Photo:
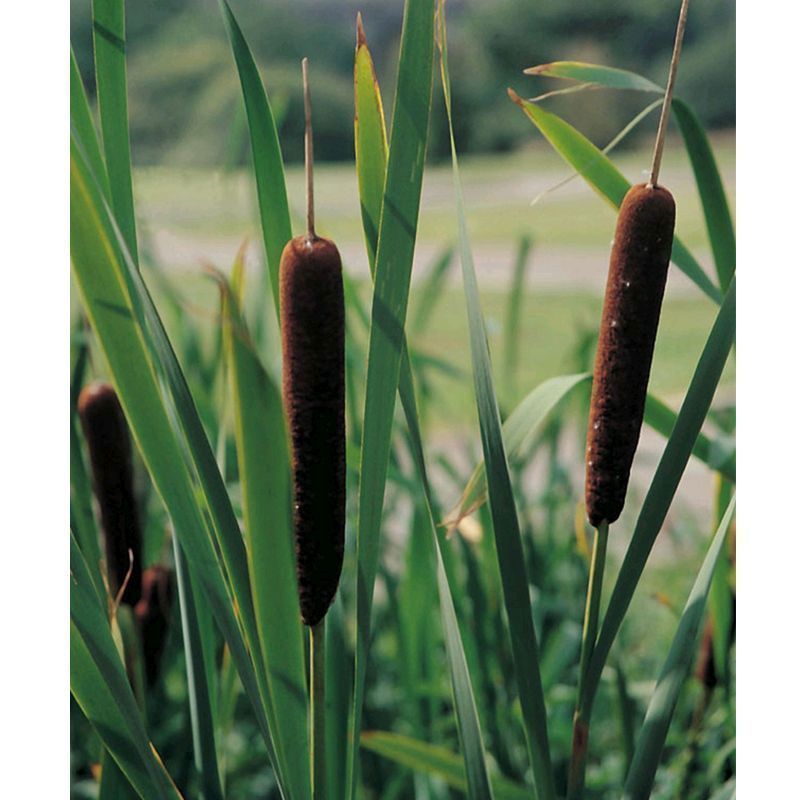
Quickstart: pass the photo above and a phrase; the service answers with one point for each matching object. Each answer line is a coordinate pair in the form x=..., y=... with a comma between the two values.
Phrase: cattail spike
x=635, y=288
x=109, y=445
x=153, y=614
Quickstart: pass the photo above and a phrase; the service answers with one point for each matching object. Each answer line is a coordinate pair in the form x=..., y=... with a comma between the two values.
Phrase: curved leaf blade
x=677, y=666
x=510, y=556
x=601, y=174
x=597, y=74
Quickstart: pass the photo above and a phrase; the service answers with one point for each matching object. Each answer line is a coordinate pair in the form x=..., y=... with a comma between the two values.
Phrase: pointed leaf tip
x=361, y=37
x=514, y=97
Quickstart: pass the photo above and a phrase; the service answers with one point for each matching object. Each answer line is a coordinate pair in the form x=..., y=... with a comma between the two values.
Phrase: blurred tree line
x=186, y=108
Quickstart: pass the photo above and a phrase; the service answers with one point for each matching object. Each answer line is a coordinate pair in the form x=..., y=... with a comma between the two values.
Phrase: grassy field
x=193, y=218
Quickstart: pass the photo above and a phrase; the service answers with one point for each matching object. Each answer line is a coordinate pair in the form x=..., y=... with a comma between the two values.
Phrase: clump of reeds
x=108, y=441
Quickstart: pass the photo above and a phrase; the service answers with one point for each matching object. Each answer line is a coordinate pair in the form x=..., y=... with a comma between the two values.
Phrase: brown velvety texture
x=109, y=444
x=312, y=327
x=635, y=288
x=153, y=613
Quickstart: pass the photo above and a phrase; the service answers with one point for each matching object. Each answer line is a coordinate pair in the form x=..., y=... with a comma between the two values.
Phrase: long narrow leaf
x=596, y=74
x=273, y=205
x=719, y=223
x=198, y=688
x=434, y=760
x=510, y=555
x=665, y=481
x=108, y=25
x=266, y=496
x=682, y=652
x=394, y=255
x=83, y=126
x=370, y=140
x=601, y=174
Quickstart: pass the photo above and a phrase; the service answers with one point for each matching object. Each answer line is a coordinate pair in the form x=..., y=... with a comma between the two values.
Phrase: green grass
x=498, y=190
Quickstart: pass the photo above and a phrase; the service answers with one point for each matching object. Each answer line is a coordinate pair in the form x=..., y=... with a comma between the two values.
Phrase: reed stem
x=580, y=724
x=319, y=781
x=309, y=156
x=673, y=71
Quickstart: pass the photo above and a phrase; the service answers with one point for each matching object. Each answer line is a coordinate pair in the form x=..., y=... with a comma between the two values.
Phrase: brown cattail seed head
x=636, y=279
x=153, y=614
x=312, y=327
x=109, y=445
x=705, y=669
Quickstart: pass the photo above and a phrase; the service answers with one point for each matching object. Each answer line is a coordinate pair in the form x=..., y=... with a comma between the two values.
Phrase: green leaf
x=429, y=291
x=434, y=760
x=719, y=223
x=719, y=455
x=263, y=457
x=519, y=428
x=665, y=481
x=596, y=74
x=516, y=293
x=198, y=683
x=394, y=256
x=101, y=688
x=276, y=225
x=370, y=143
x=601, y=174
x=164, y=423
x=83, y=125
x=682, y=652
x=510, y=555
x=108, y=25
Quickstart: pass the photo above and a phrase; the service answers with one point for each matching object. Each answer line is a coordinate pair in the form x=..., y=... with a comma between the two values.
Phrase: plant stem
x=673, y=71
x=318, y=776
x=580, y=724
x=309, y=155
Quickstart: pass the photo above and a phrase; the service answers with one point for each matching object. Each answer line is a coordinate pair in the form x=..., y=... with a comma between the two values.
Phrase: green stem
x=318, y=776
x=580, y=724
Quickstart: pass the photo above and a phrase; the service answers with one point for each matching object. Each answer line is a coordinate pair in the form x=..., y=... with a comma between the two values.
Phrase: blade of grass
x=165, y=424
x=719, y=223
x=511, y=559
x=430, y=291
x=394, y=255
x=596, y=74
x=266, y=496
x=433, y=760
x=82, y=124
x=653, y=734
x=665, y=482
x=519, y=428
x=101, y=688
x=601, y=174
x=108, y=26
x=273, y=205
x=200, y=706
x=516, y=293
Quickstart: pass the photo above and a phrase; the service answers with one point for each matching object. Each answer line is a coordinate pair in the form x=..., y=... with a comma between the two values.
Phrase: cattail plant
x=153, y=614
x=637, y=277
x=312, y=328
x=109, y=445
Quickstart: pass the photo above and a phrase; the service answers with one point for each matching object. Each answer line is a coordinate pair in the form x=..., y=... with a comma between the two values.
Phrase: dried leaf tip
x=538, y=70
x=361, y=37
x=514, y=97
